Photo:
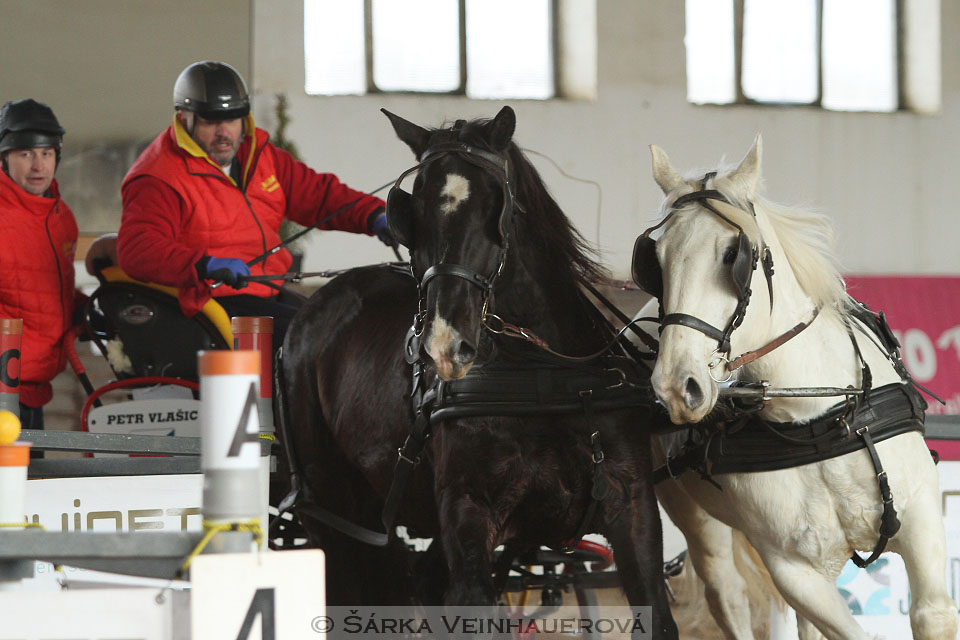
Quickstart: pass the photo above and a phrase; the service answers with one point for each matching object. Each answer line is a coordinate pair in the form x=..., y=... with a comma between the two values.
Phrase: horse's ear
x=501, y=129
x=663, y=172
x=414, y=135
x=748, y=173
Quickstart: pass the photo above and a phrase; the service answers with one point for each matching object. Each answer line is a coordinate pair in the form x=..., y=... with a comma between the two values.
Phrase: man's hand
x=226, y=270
x=380, y=229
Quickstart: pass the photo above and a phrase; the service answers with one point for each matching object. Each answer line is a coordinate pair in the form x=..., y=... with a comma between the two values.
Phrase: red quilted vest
x=225, y=221
x=37, y=249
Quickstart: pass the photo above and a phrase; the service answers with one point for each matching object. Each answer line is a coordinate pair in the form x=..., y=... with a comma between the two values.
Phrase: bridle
x=498, y=166
x=647, y=274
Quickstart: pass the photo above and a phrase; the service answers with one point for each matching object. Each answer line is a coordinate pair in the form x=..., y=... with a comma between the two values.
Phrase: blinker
x=400, y=215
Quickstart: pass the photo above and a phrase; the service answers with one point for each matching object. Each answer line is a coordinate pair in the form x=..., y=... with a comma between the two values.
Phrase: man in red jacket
x=207, y=197
x=36, y=249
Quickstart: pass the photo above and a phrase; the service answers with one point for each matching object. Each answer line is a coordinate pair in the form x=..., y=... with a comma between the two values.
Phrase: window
x=479, y=48
x=842, y=55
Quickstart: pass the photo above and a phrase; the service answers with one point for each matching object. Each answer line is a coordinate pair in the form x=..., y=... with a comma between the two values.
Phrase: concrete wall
x=107, y=67
x=884, y=178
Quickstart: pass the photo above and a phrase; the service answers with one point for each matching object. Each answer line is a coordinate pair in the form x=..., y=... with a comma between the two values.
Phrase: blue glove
x=380, y=229
x=227, y=270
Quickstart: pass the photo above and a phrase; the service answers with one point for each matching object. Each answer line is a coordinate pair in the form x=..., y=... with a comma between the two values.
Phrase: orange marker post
x=256, y=333
x=11, y=332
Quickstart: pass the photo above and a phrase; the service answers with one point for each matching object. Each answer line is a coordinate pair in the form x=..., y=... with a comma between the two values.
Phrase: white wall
x=886, y=179
x=107, y=67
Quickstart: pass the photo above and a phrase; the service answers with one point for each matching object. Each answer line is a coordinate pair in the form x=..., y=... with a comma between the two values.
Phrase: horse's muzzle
x=451, y=353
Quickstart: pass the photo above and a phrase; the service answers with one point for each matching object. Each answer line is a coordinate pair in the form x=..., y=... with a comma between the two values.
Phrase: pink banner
x=924, y=313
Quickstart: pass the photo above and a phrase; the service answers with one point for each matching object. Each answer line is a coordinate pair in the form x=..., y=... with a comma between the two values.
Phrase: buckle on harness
x=623, y=377
x=406, y=459
x=597, y=451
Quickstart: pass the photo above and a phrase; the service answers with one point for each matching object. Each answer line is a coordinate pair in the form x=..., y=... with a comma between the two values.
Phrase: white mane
x=807, y=239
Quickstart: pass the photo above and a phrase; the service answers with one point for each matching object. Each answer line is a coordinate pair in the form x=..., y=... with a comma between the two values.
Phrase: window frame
x=461, y=90
x=742, y=99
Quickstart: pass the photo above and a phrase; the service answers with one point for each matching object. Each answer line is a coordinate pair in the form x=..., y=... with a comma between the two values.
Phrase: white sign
x=131, y=614
x=257, y=596
x=160, y=417
x=117, y=503
x=230, y=422
x=125, y=503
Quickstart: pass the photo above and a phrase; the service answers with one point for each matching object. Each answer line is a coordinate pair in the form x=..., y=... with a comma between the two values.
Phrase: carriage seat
x=145, y=333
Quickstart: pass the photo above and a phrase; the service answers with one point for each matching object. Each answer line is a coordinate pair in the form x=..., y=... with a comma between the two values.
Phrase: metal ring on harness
x=400, y=455
x=716, y=359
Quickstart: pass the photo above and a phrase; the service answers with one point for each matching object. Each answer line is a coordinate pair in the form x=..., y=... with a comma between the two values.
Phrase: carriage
x=486, y=457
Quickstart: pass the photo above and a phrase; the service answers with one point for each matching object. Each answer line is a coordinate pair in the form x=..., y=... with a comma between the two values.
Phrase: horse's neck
x=550, y=307
x=822, y=355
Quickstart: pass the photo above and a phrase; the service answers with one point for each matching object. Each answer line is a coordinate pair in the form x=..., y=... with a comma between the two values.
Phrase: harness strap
x=601, y=482
x=750, y=356
x=408, y=457
x=686, y=320
x=344, y=526
x=650, y=342
x=458, y=271
x=889, y=523
x=298, y=498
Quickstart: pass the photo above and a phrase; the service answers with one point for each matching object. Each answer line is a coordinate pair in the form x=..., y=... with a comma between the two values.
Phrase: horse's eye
x=730, y=255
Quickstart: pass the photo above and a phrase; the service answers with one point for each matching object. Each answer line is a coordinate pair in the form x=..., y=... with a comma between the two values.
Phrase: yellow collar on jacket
x=188, y=144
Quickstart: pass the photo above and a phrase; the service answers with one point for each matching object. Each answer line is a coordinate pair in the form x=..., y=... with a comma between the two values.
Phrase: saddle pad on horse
x=526, y=388
x=753, y=444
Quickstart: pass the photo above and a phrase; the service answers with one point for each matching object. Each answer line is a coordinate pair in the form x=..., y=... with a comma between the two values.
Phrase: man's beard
x=224, y=161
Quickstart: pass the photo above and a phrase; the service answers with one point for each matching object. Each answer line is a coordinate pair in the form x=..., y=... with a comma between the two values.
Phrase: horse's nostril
x=692, y=394
x=466, y=353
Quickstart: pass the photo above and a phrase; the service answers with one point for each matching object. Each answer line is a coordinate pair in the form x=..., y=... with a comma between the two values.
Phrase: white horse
x=805, y=521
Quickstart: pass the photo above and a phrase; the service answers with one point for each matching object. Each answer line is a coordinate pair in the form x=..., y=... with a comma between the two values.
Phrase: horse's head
x=457, y=222
x=702, y=270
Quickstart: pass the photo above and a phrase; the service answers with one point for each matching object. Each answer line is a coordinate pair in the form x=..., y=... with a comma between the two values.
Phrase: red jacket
x=37, y=246
x=178, y=206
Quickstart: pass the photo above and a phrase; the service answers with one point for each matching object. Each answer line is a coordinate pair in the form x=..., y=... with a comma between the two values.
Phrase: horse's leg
x=813, y=594
x=467, y=535
x=806, y=630
x=710, y=545
x=922, y=544
x=636, y=537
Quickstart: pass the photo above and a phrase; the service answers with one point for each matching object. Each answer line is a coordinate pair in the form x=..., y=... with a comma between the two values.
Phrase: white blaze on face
x=455, y=191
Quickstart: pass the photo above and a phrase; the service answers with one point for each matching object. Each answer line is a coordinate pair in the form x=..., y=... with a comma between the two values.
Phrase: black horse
x=491, y=252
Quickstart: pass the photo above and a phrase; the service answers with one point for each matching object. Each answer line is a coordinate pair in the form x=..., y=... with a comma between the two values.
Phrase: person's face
x=221, y=140
x=32, y=169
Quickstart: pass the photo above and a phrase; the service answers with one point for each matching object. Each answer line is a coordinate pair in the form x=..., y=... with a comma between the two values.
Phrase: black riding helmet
x=212, y=90
x=25, y=124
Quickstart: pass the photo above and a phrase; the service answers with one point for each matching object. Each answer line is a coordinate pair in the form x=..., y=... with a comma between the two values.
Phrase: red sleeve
x=312, y=196
x=147, y=242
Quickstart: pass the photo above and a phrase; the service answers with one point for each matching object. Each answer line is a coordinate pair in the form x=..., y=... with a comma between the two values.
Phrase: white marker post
x=14, y=459
x=256, y=333
x=230, y=448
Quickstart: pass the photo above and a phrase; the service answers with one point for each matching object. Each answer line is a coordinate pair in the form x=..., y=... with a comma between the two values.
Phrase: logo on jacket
x=270, y=184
